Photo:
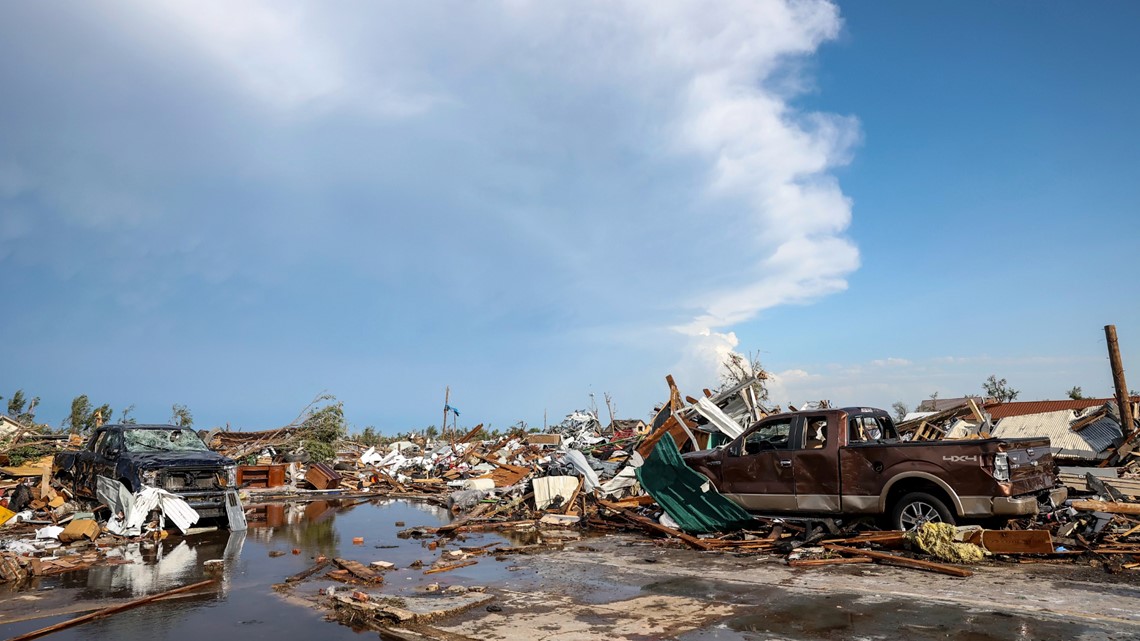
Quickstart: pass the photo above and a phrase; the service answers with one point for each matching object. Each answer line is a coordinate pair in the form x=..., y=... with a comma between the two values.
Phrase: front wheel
x=917, y=508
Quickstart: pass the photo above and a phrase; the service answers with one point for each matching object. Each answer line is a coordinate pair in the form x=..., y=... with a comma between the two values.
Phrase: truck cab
x=851, y=461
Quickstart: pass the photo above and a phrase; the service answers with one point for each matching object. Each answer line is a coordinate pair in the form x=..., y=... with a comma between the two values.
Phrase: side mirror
x=113, y=453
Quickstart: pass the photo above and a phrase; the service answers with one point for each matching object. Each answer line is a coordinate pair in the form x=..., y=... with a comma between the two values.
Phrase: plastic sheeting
x=687, y=497
x=579, y=461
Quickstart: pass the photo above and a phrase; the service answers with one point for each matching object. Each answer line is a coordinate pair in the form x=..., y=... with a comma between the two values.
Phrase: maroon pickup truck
x=851, y=461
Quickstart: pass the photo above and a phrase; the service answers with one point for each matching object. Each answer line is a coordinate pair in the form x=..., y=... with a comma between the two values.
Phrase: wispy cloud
x=881, y=382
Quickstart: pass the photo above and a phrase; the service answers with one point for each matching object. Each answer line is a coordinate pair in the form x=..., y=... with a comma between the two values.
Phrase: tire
x=917, y=508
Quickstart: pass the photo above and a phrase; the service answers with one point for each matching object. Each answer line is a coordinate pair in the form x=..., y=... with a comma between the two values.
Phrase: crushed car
x=168, y=457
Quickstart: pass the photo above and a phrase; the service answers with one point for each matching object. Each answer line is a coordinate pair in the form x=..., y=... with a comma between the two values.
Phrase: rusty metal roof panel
x=1005, y=410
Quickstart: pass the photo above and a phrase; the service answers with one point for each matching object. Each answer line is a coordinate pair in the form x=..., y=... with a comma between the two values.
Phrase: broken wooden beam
x=448, y=568
x=1013, y=541
x=304, y=574
x=811, y=563
x=359, y=570
x=895, y=559
x=98, y=614
x=655, y=526
x=1106, y=506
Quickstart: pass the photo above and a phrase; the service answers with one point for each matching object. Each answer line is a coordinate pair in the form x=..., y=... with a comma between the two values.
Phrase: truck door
x=107, y=450
x=815, y=463
x=757, y=473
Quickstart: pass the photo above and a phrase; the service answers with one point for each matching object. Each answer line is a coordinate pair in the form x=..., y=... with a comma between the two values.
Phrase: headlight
x=149, y=477
x=1001, y=466
x=229, y=476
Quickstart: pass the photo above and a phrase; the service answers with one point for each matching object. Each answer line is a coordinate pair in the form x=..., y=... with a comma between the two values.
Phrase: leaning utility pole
x=446, y=407
x=1123, y=399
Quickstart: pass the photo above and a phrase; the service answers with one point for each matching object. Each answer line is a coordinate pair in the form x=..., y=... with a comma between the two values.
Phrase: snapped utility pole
x=1123, y=399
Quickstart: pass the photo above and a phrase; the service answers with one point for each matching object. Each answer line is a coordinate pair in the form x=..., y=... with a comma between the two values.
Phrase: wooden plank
x=470, y=435
x=886, y=539
x=98, y=614
x=448, y=568
x=811, y=563
x=1081, y=424
x=917, y=564
x=653, y=525
x=1106, y=506
x=1014, y=541
x=359, y=570
x=635, y=501
x=304, y=574
x=573, y=497
x=975, y=411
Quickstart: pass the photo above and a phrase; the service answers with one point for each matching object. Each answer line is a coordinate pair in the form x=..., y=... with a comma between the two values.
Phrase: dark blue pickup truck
x=165, y=456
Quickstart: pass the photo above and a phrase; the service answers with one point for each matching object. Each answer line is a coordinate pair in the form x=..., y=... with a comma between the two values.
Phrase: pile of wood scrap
x=965, y=420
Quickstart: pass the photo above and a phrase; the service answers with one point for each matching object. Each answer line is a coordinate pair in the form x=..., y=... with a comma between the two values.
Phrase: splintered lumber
x=1014, y=541
x=1106, y=506
x=359, y=570
x=573, y=497
x=1129, y=532
x=1082, y=423
x=895, y=559
x=893, y=538
x=493, y=525
x=448, y=568
x=98, y=614
x=470, y=435
x=504, y=475
x=655, y=526
x=811, y=563
x=635, y=501
x=304, y=574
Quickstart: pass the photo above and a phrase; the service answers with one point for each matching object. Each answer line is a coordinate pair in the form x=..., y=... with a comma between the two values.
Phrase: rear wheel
x=917, y=508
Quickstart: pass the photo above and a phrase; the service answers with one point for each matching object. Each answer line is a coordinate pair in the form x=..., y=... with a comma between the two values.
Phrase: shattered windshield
x=171, y=440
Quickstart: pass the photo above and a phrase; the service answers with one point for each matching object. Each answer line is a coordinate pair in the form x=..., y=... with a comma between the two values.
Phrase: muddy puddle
x=611, y=591
x=772, y=614
x=244, y=601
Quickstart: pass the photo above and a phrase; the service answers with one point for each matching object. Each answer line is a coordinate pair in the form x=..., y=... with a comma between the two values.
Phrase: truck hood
x=176, y=459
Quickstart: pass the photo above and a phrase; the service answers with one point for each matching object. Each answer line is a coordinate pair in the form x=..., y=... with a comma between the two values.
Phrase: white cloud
x=890, y=361
x=644, y=164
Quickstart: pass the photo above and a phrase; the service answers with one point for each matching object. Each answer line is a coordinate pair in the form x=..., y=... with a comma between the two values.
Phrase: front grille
x=180, y=481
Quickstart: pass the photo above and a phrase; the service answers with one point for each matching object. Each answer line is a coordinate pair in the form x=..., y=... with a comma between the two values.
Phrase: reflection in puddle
x=244, y=601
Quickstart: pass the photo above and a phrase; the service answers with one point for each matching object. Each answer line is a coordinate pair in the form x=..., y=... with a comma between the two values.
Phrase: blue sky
x=239, y=207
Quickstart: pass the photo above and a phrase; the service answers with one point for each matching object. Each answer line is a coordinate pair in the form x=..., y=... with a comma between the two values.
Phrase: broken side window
x=770, y=436
x=815, y=433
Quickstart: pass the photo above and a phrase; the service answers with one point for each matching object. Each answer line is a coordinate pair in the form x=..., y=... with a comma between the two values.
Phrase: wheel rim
x=917, y=513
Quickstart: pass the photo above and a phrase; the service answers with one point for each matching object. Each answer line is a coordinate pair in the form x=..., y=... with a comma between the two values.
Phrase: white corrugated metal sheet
x=1090, y=443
